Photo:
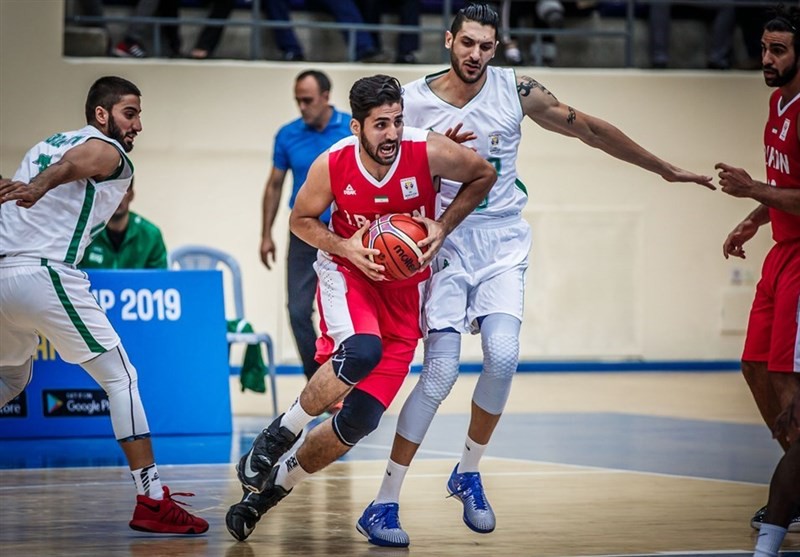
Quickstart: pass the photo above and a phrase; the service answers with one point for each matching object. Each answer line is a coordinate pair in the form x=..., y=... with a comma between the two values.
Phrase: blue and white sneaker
x=478, y=513
x=380, y=524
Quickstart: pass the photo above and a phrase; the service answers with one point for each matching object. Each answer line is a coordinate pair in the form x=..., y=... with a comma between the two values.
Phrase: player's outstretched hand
x=26, y=195
x=680, y=175
x=734, y=181
x=433, y=241
x=355, y=251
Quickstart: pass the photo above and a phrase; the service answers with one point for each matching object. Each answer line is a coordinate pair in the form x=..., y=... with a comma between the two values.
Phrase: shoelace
x=391, y=520
x=472, y=488
x=176, y=512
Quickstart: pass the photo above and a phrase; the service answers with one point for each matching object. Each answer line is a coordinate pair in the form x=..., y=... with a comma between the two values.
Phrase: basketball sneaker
x=165, y=516
x=758, y=519
x=255, y=466
x=380, y=523
x=478, y=513
x=242, y=517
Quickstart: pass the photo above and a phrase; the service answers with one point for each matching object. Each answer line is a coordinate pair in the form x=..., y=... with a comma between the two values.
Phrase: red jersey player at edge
x=771, y=356
x=370, y=326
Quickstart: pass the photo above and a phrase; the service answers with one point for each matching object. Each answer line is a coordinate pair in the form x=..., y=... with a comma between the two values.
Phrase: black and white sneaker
x=758, y=519
x=255, y=466
x=241, y=518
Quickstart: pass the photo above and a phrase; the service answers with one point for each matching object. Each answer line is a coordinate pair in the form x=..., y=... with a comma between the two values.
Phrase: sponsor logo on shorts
x=74, y=403
x=17, y=407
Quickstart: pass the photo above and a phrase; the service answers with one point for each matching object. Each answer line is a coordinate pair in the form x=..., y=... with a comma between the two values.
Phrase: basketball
x=395, y=236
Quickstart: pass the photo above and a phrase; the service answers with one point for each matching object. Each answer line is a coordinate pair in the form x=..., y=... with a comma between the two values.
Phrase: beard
x=374, y=151
x=460, y=73
x=780, y=79
x=115, y=133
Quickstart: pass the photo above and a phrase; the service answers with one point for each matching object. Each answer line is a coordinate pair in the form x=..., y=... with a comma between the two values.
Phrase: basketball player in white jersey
x=478, y=276
x=65, y=191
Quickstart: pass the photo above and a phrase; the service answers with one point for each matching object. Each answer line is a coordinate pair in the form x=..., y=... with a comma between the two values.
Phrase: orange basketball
x=396, y=236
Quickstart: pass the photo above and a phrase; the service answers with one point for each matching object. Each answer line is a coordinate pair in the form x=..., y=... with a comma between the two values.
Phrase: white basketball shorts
x=51, y=299
x=479, y=270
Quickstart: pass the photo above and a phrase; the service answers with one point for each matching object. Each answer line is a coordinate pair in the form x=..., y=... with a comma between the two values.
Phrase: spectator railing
x=257, y=22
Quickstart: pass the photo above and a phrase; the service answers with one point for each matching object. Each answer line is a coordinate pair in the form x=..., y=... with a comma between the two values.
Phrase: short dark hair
x=322, y=80
x=106, y=92
x=370, y=92
x=786, y=19
x=480, y=13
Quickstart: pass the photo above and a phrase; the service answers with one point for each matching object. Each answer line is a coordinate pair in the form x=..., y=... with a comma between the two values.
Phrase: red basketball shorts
x=772, y=332
x=350, y=304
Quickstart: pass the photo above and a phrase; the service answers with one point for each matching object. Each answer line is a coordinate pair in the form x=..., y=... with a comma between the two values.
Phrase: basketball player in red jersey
x=370, y=326
x=771, y=357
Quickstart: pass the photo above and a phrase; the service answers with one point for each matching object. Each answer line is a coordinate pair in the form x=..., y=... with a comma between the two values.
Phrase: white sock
x=296, y=418
x=770, y=538
x=392, y=483
x=290, y=473
x=148, y=482
x=471, y=457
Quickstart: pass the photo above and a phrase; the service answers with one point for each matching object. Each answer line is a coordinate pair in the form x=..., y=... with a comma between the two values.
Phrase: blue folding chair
x=203, y=257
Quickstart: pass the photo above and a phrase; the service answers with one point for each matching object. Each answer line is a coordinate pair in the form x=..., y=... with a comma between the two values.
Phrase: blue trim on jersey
x=297, y=145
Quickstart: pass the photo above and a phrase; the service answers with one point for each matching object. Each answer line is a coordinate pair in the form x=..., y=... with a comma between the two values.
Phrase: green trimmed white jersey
x=494, y=115
x=63, y=222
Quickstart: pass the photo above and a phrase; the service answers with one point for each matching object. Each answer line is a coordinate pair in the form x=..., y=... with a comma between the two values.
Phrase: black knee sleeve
x=360, y=415
x=356, y=357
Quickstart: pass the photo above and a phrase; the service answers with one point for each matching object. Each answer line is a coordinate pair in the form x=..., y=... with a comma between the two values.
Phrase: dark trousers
x=343, y=11
x=407, y=43
x=302, y=288
x=210, y=36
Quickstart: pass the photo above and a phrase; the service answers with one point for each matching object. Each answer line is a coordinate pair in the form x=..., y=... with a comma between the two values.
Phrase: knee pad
x=500, y=343
x=439, y=374
x=360, y=415
x=440, y=368
x=114, y=372
x=356, y=357
x=13, y=380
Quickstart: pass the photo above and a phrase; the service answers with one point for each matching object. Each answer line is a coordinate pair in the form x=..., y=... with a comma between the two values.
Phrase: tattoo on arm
x=571, y=116
x=526, y=84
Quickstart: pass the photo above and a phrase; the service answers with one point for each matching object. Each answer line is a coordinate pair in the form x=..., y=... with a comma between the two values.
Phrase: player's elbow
x=488, y=176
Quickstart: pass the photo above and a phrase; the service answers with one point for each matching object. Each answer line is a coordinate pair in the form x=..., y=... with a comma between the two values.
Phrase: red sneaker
x=165, y=516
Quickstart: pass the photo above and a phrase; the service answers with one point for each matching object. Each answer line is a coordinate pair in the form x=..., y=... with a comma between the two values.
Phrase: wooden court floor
x=601, y=464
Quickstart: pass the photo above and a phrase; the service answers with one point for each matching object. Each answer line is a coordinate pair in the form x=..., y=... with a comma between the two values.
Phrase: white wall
x=624, y=264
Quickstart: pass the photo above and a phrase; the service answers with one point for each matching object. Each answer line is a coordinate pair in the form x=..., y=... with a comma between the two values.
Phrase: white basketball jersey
x=63, y=222
x=494, y=115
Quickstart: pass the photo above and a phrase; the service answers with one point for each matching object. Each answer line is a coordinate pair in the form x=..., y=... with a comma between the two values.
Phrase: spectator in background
x=547, y=14
x=723, y=25
x=297, y=144
x=137, y=34
x=343, y=11
x=128, y=241
x=407, y=43
x=751, y=19
x=210, y=35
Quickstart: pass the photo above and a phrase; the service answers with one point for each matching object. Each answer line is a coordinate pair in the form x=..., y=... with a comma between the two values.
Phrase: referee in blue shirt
x=297, y=144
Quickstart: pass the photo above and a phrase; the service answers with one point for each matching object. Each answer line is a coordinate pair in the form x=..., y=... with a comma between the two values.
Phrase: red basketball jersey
x=360, y=198
x=782, y=157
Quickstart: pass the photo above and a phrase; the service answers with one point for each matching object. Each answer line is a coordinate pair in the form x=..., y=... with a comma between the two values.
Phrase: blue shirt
x=297, y=145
